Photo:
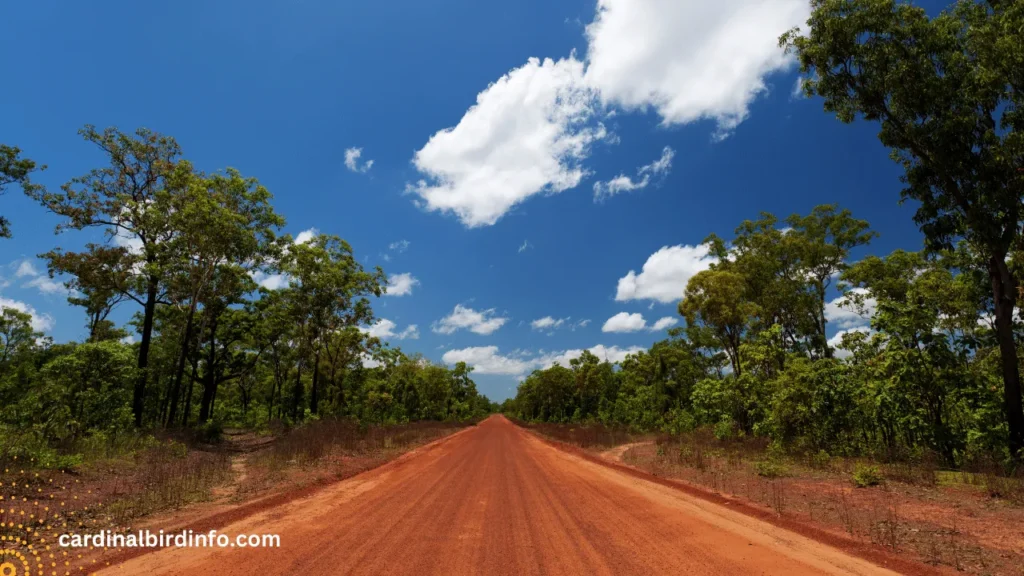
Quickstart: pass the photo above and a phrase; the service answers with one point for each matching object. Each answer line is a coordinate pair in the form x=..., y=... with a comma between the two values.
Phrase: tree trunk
x=179, y=371
x=209, y=377
x=314, y=398
x=187, y=413
x=297, y=393
x=139, y=395
x=1004, y=295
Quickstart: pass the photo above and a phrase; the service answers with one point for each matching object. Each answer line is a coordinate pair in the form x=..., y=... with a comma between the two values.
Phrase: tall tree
x=948, y=92
x=224, y=229
x=328, y=290
x=715, y=301
x=131, y=200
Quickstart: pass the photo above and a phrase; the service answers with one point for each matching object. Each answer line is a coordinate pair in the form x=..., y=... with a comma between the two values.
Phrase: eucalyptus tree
x=948, y=92
x=131, y=199
x=224, y=231
x=328, y=290
x=715, y=303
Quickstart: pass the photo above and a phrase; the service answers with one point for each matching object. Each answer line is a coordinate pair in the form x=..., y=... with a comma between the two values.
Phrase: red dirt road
x=494, y=499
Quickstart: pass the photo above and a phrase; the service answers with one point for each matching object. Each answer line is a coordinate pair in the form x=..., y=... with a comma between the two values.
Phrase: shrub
x=724, y=429
x=865, y=475
x=821, y=460
x=770, y=469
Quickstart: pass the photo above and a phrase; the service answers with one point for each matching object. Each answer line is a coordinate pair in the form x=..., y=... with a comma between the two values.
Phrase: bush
x=724, y=429
x=865, y=475
x=821, y=460
x=770, y=469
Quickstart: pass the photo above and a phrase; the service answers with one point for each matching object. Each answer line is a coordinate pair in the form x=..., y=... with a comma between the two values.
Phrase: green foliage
x=919, y=382
x=771, y=469
x=14, y=169
x=948, y=93
x=865, y=475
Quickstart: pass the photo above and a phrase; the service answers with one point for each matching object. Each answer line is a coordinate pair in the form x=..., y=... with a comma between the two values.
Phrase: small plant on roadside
x=865, y=475
x=821, y=460
x=724, y=429
x=771, y=469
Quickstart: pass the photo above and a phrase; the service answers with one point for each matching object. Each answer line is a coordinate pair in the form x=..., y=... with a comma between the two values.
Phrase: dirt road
x=494, y=499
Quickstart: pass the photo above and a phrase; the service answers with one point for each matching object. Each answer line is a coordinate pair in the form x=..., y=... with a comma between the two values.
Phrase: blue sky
x=681, y=112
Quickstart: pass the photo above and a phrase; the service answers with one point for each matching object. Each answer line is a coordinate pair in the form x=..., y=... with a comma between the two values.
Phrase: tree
x=14, y=169
x=16, y=333
x=328, y=290
x=132, y=200
x=715, y=300
x=99, y=281
x=224, y=229
x=948, y=92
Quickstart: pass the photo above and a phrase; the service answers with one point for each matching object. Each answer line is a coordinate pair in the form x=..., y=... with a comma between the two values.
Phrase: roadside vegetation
x=223, y=385
x=904, y=390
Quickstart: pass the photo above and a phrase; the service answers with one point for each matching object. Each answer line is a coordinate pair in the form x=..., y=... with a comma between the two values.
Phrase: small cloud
x=623, y=183
x=401, y=284
x=385, y=330
x=26, y=268
x=47, y=285
x=664, y=324
x=399, y=246
x=40, y=322
x=270, y=281
x=625, y=322
x=479, y=322
x=306, y=235
x=547, y=323
x=352, y=156
x=526, y=245
x=798, y=88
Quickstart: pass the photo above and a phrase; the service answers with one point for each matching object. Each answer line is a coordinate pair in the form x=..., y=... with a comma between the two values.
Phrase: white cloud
x=385, y=329
x=843, y=314
x=624, y=322
x=130, y=241
x=527, y=134
x=270, y=281
x=401, y=284
x=689, y=60
x=548, y=323
x=47, y=285
x=40, y=322
x=26, y=268
x=38, y=280
x=836, y=341
x=623, y=183
x=368, y=361
x=483, y=322
x=488, y=359
x=664, y=324
x=306, y=235
x=798, y=88
x=399, y=246
x=581, y=324
x=665, y=274
x=526, y=244
x=352, y=156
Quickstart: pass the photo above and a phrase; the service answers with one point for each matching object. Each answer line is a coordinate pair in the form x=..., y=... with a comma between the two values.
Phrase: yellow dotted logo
x=13, y=563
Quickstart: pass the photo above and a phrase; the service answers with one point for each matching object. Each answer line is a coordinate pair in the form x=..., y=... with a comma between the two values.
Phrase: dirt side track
x=497, y=500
